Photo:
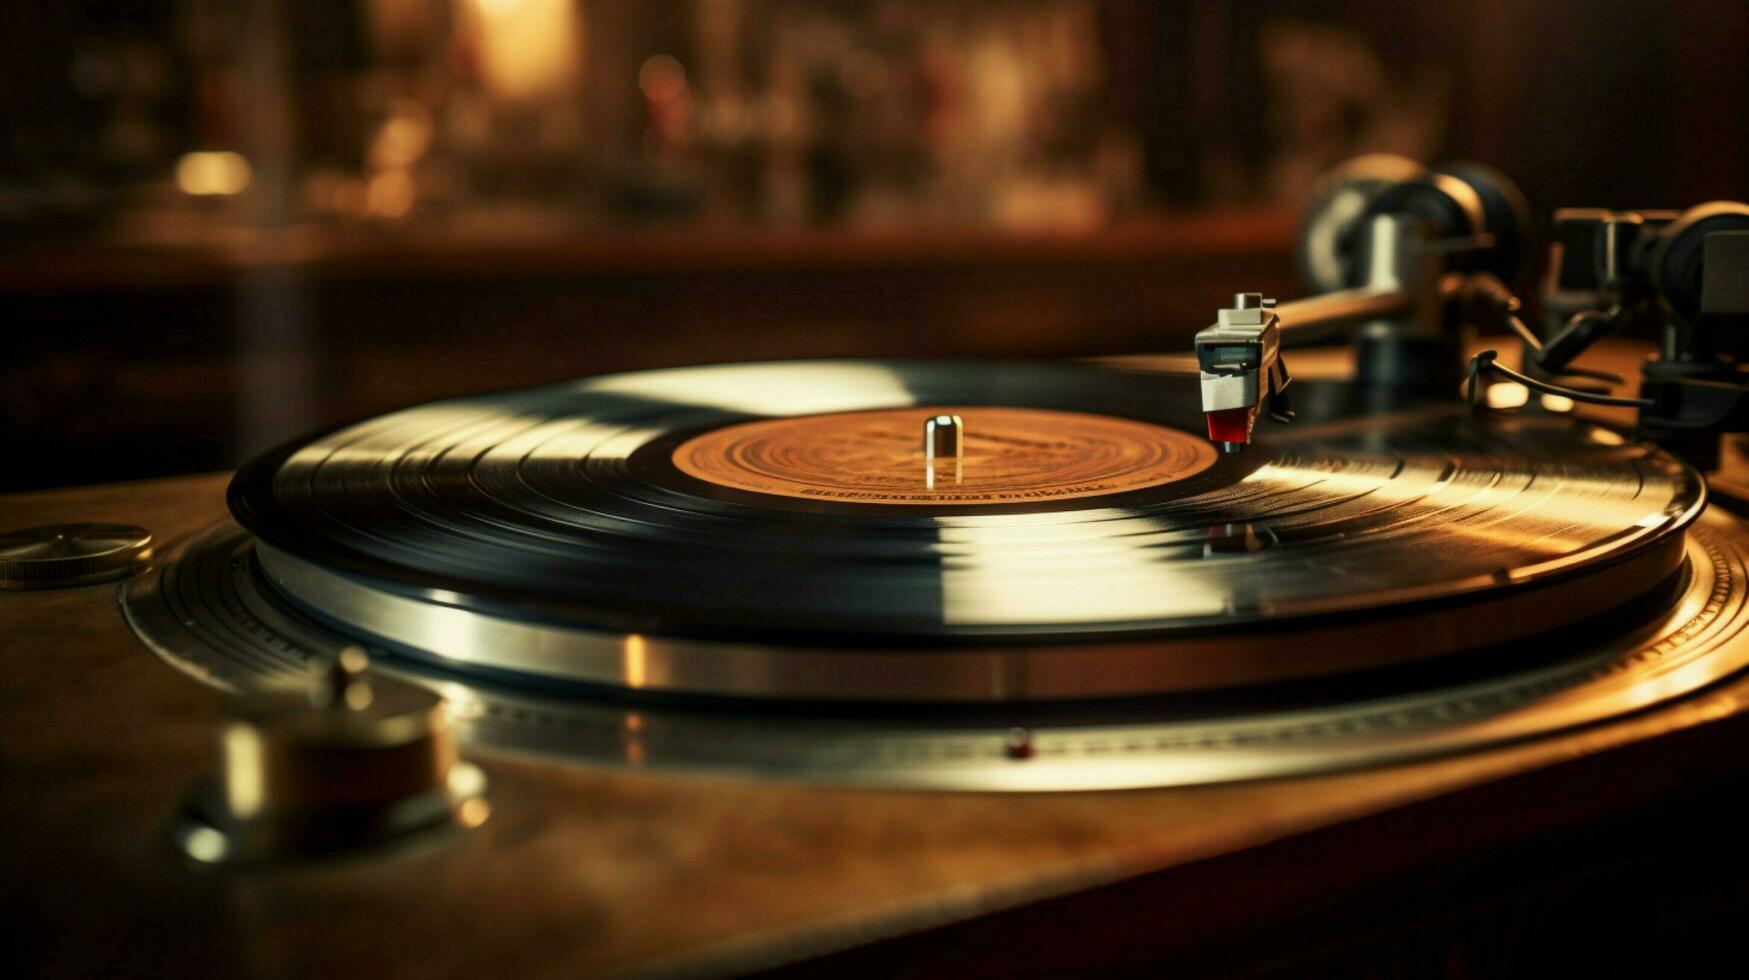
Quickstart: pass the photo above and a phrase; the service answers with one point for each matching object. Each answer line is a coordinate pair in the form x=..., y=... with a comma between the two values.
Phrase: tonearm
x=1410, y=262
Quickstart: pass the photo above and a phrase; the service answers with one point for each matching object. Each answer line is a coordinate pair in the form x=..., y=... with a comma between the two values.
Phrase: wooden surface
x=585, y=870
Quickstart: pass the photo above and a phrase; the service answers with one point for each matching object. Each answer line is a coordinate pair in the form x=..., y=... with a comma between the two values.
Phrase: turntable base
x=585, y=870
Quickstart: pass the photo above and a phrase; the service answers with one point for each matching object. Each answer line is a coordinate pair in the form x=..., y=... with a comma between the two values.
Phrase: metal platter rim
x=1695, y=643
x=463, y=639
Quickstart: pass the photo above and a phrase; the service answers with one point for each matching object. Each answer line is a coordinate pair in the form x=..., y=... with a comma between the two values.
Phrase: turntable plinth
x=583, y=870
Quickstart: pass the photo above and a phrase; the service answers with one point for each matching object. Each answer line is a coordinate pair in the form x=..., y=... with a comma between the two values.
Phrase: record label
x=1009, y=455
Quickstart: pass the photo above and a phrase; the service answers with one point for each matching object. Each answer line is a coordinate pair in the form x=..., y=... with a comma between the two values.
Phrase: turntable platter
x=749, y=531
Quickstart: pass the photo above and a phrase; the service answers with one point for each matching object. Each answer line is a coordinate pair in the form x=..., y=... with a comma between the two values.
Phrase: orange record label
x=1007, y=455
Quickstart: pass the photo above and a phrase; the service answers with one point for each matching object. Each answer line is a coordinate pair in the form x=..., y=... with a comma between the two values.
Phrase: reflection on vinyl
x=784, y=530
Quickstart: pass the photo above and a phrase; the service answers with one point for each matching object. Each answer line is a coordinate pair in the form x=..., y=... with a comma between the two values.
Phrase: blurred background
x=226, y=223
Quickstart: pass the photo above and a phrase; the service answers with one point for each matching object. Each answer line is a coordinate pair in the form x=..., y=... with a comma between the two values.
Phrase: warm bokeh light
x=1508, y=395
x=390, y=194
x=528, y=49
x=662, y=77
x=212, y=173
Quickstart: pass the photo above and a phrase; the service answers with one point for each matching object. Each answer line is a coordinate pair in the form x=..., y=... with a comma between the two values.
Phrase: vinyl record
x=777, y=530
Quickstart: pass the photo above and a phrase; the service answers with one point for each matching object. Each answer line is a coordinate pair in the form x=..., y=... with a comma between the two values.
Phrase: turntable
x=904, y=667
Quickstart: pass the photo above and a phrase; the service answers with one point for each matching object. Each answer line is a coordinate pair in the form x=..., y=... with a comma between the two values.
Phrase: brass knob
x=355, y=760
x=54, y=556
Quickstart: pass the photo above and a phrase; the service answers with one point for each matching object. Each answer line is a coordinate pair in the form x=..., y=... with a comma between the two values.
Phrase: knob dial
x=54, y=556
x=355, y=761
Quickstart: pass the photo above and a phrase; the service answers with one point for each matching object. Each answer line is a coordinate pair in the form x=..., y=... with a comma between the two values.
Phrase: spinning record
x=977, y=531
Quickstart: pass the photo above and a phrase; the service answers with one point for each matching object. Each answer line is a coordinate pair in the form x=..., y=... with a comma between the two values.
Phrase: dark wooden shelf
x=436, y=253
x=129, y=361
